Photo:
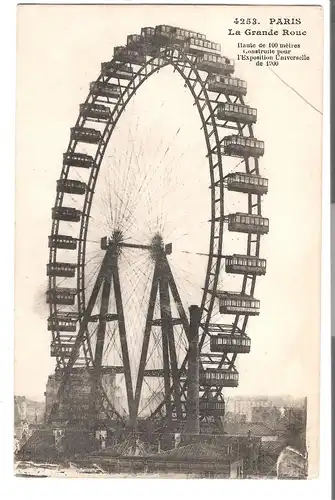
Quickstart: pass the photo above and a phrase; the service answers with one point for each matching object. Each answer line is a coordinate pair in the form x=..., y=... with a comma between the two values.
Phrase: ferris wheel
x=150, y=221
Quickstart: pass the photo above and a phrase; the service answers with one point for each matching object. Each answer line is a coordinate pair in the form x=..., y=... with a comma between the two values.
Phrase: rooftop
x=196, y=451
x=273, y=447
x=243, y=429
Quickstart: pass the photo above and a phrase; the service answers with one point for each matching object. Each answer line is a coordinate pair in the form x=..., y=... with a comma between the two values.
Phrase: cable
x=289, y=86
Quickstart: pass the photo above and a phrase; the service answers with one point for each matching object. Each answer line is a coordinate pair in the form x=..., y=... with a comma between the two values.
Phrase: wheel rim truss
x=186, y=66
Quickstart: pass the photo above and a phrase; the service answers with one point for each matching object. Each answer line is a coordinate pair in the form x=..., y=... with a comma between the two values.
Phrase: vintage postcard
x=168, y=241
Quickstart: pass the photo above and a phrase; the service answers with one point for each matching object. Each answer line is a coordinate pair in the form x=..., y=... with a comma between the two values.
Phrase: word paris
x=268, y=32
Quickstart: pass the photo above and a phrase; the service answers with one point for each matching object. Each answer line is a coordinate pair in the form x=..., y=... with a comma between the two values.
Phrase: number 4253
x=245, y=20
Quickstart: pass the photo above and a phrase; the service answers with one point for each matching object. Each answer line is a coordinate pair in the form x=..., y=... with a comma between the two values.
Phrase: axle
x=156, y=246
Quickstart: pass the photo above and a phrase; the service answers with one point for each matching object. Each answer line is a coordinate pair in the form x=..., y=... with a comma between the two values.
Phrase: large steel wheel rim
x=206, y=103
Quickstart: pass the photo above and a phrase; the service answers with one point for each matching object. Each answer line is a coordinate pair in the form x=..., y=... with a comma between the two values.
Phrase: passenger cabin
x=78, y=160
x=227, y=85
x=128, y=55
x=237, y=145
x=245, y=264
x=143, y=43
x=236, y=113
x=62, y=296
x=248, y=223
x=230, y=343
x=218, y=377
x=235, y=303
x=84, y=134
x=60, y=351
x=62, y=241
x=71, y=186
x=213, y=408
x=117, y=70
x=97, y=112
x=201, y=46
x=103, y=89
x=216, y=64
x=134, y=41
x=65, y=322
x=246, y=183
x=64, y=348
x=66, y=213
x=171, y=35
x=62, y=269
x=148, y=33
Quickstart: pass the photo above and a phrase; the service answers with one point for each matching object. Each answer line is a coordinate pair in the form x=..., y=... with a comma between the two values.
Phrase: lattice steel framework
x=207, y=101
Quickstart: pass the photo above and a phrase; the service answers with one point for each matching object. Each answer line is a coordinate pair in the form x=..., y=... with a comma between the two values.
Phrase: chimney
x=192, y=420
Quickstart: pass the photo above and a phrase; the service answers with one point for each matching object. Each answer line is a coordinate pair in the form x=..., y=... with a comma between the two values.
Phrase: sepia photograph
x=169, y=163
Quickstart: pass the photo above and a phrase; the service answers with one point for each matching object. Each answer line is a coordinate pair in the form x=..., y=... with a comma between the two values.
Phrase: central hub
x=157, y=246
x=116, y=239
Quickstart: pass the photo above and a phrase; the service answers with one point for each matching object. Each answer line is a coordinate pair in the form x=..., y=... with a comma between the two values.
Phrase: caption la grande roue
x=268, y=32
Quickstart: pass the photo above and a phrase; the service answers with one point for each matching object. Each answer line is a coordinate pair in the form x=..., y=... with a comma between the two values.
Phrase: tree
x=295, y=428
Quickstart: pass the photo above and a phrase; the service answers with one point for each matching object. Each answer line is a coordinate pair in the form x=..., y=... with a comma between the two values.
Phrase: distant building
x=270, y=415
x=20, y=409
x=242, y=407
x=35, y=411
x=26, y=413
x=75, y=404
x=250, y=408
